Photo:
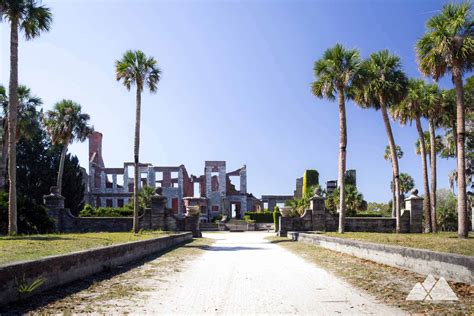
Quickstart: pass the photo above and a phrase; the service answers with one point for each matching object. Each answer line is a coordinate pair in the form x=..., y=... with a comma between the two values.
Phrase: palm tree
x=32, y=18
x=434, y=113
x=448, y=47
x=135, y=68
x=411, y=109
x=384, y=84
x=388, y=157
x=65, y=124
x=335, y=73
x=27, y=117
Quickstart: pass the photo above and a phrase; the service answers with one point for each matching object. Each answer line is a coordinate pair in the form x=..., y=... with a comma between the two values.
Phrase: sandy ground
x=242, y=273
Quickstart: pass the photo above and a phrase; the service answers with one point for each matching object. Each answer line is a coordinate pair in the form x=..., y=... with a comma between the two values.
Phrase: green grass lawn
x=442, y=242
x=30, y=247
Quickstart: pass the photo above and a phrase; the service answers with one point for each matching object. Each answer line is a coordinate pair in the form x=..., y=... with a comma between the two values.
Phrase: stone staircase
x=236, y=225
x=209, y=227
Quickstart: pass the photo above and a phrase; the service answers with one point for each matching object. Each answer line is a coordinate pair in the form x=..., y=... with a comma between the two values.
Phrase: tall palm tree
x=411, y=109
x=27, y=117
x=32, y=18
x=388, y=157
x=384, y=85
x=448, y=47
x=135, y=68
x=65, y=124
x=434, y=113
x=335, y=73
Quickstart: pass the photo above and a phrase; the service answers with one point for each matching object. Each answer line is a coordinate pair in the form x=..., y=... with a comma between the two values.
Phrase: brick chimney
x=95, y=146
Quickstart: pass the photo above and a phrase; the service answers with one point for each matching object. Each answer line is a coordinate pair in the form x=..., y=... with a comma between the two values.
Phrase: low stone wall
x=318, y=218
x=452, y=267
x=58, y=270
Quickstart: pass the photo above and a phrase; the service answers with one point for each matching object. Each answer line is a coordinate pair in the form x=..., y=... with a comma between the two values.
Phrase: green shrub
x=217, y=218
x=259, y=217
x=276, y=216
x=32, y=218
x=89, y=211
x=310, y=179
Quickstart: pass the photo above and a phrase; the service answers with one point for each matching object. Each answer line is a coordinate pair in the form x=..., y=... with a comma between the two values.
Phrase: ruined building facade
x=213, y=192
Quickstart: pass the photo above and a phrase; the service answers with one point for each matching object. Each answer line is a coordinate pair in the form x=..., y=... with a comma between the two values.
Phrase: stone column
x=158, y=204
x=114, y=182
x=414, y=204
x=271, y=205
x=243, y=179
x=319, y=212
x=54, y=203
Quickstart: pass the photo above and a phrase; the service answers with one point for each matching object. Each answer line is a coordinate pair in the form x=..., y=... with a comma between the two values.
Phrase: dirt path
x=242, y=273
x=238, y=273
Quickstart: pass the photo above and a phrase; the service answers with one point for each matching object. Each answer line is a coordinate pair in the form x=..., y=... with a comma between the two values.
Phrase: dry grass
x=31, y=247
x=123, y=288
x=442, y=242
x=389, y=285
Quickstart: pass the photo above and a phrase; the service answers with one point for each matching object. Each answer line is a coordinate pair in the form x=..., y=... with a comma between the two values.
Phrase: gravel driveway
x=242, y=273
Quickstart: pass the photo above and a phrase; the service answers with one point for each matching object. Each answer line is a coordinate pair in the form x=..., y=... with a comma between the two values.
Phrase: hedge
x=259, y=217
x=89, y=211
x=276, y=215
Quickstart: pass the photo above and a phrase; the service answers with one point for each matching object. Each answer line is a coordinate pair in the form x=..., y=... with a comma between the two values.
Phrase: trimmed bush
x=89, y=211
x=310, y=179
x=276, y=215
x=217, y=218
x=259, y=217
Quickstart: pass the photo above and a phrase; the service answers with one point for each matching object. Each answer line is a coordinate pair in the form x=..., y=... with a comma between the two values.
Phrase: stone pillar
x=158, y=204
x=243, y=179
x=414, y=204
x=319, y=213
x=103, y=178
x=54, y=203
x=125, y=178
x=114, y=182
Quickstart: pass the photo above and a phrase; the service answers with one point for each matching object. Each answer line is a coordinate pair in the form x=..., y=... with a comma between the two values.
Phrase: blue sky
x=235, y=83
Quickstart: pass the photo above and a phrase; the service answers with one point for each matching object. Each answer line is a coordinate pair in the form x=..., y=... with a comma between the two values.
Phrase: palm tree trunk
x=342, y=161
x=393, y=197
x=12, y=118
x=136, y=160
x=393, y=153
x=461, y=164
x=4, y=161
x=426, y=188
x=61, y=167
x=433, y=174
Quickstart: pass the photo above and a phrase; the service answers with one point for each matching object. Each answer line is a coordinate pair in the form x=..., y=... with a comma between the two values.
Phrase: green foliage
x=299, y=206
x=24, y=288
x=354, y=201
x=446, y=210
x=32, y=217
x=385, y=209
x=217, y=218
x=406, y=183
x=276, y=215
x=37, y=165
x=310, y=179
x=266, y=217
x=144, y=198
x=90, y=211
x=388, y=155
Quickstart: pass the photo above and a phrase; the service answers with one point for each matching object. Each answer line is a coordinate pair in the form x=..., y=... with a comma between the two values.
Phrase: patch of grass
x=29, y=247
x=387, y=284
x=442, y=242
x=118, y=291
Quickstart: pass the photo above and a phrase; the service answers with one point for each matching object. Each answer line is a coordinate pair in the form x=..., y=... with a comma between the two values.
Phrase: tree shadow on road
x=34, y=302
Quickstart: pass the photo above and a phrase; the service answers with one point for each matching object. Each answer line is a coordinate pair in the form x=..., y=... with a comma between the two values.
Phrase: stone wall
x=59, y=270
x=319, y=219
x=158, y=217
x=453, y=267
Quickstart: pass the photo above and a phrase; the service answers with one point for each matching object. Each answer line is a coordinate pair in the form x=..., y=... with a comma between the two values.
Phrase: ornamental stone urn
x=285, y=211
x=193, y=210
